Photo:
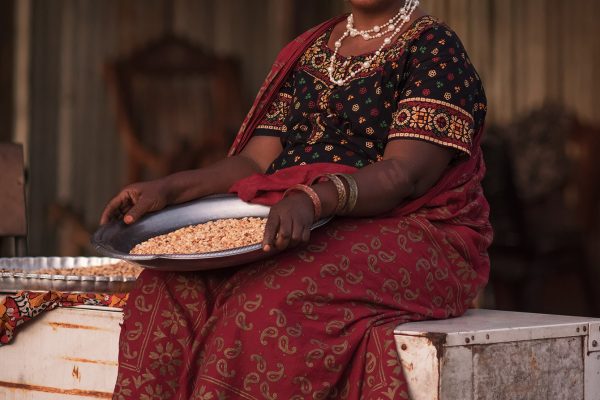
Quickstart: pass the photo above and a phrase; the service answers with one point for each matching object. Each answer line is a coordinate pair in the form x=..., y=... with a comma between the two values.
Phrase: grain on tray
x=10, y=270
x=121, y=268
x=217, y=235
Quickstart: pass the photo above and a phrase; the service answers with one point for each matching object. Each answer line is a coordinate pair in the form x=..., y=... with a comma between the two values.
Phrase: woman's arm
x=137, y=199
x=408, y=170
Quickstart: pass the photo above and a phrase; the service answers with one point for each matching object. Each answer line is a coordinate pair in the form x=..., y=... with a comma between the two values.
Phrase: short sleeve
x=442, y=99
x=273, y=122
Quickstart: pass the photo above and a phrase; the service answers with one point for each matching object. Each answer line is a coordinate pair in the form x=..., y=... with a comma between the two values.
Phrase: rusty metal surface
x=19, y=388
x=551, y=369
x=545, y=358
x=454, y=373
x=18, y=275
x=75, y=352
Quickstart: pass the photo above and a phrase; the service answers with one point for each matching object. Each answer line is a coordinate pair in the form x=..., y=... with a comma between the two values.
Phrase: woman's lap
x=309, y=323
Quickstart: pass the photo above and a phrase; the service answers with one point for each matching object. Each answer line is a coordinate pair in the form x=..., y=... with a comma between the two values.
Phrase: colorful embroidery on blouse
x=443, y=123
x=422, y=87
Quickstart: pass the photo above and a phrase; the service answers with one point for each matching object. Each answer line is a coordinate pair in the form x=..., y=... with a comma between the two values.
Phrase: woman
x=388, y=104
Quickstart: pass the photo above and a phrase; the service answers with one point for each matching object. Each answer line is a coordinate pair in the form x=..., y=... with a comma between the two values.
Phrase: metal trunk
x=501, y=355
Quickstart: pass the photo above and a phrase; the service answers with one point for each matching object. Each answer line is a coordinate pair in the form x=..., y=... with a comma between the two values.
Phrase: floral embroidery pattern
x=441, y=122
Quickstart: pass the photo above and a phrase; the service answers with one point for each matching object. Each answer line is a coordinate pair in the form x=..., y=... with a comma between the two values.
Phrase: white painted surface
x=67, y=353
x=592, y=364
x=421, y=361
x=501, y=356
x=491, y=326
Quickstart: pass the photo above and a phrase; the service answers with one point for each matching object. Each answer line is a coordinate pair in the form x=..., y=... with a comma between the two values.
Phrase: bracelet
x=314, y=197
x=342, y=194
x=352, y=196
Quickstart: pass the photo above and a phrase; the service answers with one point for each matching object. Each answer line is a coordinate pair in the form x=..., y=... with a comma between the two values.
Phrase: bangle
x=342, y=194
x=314, y=197
x=352, y=196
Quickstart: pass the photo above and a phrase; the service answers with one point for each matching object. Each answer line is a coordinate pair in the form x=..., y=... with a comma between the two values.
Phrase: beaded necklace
x=392, y=27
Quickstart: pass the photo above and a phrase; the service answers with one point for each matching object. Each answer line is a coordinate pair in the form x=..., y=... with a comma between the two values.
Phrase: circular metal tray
x=116, y=239
x=19, y=274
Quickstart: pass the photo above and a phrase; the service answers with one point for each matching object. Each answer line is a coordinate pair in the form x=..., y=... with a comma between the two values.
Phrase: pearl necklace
x=392, y=27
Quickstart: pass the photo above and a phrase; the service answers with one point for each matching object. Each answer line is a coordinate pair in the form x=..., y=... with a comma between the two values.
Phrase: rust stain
x=438, y=340
x=47, y=389
x=85, y=360
x=56, y=325
x=75, y=373
x=408, y=366
x=533, y=362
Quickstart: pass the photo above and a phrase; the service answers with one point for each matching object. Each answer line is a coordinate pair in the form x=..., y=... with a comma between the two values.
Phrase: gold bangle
x=352, y=196
x=342, y=194
x=310, y=192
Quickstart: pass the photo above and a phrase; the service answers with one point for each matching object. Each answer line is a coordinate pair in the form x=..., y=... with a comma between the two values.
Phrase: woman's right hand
x=135, y=200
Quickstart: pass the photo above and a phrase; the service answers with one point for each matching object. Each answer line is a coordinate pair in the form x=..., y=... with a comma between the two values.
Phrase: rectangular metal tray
x=19, y=275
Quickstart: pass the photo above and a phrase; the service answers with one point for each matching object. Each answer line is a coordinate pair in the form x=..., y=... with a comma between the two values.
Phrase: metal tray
x=19, y=275
x=116, y=239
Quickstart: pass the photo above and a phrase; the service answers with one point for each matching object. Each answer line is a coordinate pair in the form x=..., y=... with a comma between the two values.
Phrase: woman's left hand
x=289, y=222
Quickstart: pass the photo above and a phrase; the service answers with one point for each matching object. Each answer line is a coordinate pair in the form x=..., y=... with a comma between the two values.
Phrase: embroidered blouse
x=421, y=87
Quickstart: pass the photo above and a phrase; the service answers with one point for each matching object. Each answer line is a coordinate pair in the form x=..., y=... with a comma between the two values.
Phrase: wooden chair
x=177, y=106
x=13, y=216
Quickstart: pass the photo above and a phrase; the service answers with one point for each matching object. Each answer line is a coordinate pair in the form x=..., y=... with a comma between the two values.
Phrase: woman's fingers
x=141, y=207
x=297, y=233
x=118, y=205
x=288, y=224
x=271, y=229
x=306, y=234
x=284, y=235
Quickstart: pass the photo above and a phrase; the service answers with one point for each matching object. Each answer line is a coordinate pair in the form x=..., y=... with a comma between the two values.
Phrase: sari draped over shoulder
x=314, y=322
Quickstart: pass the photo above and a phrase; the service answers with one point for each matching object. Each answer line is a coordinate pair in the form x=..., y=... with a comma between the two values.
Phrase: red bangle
x=314, y=197
x=342, y=194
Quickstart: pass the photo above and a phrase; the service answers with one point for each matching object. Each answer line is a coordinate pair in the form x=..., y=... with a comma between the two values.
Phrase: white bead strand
x=380, y=30
x=394, y=26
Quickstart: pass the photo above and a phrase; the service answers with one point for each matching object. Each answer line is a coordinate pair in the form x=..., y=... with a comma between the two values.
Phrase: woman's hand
x=289, y=222
x=135, y=200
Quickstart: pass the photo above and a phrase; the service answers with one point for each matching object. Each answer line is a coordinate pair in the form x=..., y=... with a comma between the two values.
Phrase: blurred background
x=101, y=93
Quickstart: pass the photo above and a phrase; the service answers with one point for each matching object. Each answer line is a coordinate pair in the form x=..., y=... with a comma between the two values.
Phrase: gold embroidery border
x=442, y=103
x=270, y=127
x=429, y=139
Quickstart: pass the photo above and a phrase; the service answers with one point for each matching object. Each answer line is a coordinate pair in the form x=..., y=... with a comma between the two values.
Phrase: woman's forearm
x=381, y=187
x=409, y=169
x=216, y=178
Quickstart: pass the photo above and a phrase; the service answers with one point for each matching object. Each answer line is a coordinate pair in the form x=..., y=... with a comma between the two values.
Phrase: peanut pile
x=217, y=235
x=121, y=268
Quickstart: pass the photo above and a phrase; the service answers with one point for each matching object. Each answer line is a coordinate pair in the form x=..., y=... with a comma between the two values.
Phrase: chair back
x=13, y=215
x=178, y=106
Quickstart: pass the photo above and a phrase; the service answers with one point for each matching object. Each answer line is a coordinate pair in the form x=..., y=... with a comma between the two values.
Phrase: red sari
x=314, y=322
